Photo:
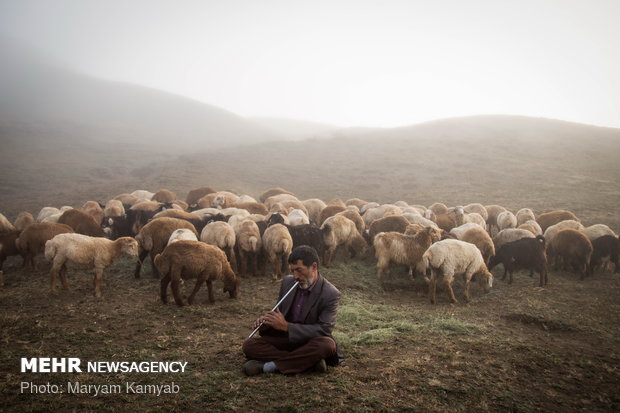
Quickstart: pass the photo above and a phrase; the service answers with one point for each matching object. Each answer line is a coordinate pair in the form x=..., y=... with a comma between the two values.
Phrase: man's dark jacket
x=319, y=313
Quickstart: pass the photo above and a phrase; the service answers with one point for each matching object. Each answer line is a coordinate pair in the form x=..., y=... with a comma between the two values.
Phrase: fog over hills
x=37, y=92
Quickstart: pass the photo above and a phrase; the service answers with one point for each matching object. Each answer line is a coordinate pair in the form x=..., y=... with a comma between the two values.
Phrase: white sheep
x=46, y=212
x=113, y=208
x=221, y=234
x=510, y=234
x=84, y=252
x=5, y=225
x=553, y=230
x=182, y=234
x=477, y=208
x=342, y=231
x=525, y=214
x=596, y=231
x=462, y=217
x=314, y=206
x=451, y=257
x=249, y=245
x=278, y=244
x=143, y=194
x=297, y=217
x=506, y=220
x=460, y=230
x=532, y=226
x=384, y=210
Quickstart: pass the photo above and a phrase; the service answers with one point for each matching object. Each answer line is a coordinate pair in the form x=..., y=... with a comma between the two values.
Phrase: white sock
x=270, y=367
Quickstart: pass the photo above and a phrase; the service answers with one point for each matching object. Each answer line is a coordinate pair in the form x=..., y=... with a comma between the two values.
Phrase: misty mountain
x=39, y=95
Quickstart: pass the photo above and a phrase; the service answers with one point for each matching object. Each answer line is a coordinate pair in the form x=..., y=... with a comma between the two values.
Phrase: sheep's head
x=129, y=246
x=231, y=286
x=486, y=280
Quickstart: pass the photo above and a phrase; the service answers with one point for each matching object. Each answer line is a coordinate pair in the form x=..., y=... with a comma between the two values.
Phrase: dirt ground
x=520, y=348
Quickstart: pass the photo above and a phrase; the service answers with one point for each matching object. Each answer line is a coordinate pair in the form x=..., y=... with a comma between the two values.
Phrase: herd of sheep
x=220, y=235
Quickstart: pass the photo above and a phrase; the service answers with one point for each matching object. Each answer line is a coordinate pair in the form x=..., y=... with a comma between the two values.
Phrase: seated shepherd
x=296, y=337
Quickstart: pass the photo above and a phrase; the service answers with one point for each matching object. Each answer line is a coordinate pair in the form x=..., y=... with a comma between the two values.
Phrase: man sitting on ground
x=297, y=336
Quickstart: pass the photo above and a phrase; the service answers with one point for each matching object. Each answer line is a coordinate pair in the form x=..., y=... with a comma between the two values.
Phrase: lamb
x=446, y=221
x=194, y=259
x=206, y=201
x=249, y=244
x=458, y=232
x=93, y=209
x=506, y=220
x=46, y=212
x=384, y=210
x=273, y=191
x=141, y=213
x=195, y=194
x=81, y=222
x=573, y=248
x=181, y=235
x=525, y=214
x=154, y=236
x=224, y=199
x=23, y=220
x=402, y=249
x=339, y=230
x=482, y=240
x=222, y=235
x=278, y=244
x=163, y=196
x=297, y=217
x=416, y=219
x=314, y=206
x=451, y=257
x=603, y=247
x=526, y=253
x=547, y=219
x=5, y=225
x=510, y=234
x=32, y=239
x=85, y=252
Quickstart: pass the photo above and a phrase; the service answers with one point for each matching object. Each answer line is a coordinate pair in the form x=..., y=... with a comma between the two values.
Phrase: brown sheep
x=164, y=195
x=446, y=221
x=392, y=223
x=278, y=244
x=23, y=220
x=273, y=191
x=574, y=248
x=314, y=206
x=84, y=252
x=206, y=201
x=357, y=219
x=8, y=247
x=128, y=200
x=493, y=212
x=252, y=207
x=195, y=194
x=328, y=211
x=194, y=259
x=402, y=249
x=81, y=222
x=32, y=239
x=547, y=219
x=5, y=225
x=93, y=209
x=337, y=201
x=481, y=239
x=154, y=236
x=359, y=203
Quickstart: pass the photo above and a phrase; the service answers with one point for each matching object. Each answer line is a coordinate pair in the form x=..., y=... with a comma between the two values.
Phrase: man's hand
x=275, y=320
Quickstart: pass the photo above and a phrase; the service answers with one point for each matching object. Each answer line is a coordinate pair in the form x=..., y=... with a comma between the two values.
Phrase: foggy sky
x=347, y=63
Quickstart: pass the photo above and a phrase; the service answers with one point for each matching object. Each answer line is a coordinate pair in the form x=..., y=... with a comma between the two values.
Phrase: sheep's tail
x=285, y=245
x=424, y=265
x=254, y=243
x=50, y=250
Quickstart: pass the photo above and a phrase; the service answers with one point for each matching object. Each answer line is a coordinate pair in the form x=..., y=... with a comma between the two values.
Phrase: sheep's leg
x=163, y=291
x=210, y=288
x=432, y=286
x=467, y=285
x=141, y=258
x=254, y=257
x=232, y=259
x=175, y=276
x=153, y=267
x=199, y=281
x=448, y=278
x=63, y=277
x=244, y=263
x=97, y=281
x=53, y=273
x=284, y=269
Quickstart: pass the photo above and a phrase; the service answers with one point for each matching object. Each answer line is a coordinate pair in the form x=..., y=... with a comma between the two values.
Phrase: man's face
x=305, y=275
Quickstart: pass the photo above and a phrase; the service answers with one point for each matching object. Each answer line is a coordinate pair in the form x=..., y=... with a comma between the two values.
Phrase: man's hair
x=306, y=254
